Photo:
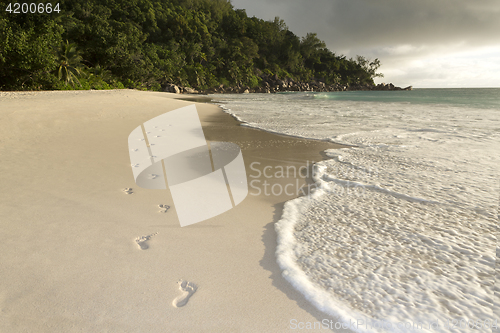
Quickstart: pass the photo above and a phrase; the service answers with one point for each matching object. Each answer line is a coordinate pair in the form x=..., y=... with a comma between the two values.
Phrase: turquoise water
x=488, y=98
x=402, y=227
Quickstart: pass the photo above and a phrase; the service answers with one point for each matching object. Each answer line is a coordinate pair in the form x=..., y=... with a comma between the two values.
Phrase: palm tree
x=69, y=60
x=100, y=72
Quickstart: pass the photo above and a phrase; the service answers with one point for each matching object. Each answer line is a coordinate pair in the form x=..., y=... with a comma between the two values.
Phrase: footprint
x=127, y=190
x=141, y=241
x=164, y=208
x=188, y=289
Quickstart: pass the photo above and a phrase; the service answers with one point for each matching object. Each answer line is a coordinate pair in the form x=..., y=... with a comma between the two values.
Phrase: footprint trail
x=188, y=289
x=164, y=208
x=127, y=190
x=142, y=241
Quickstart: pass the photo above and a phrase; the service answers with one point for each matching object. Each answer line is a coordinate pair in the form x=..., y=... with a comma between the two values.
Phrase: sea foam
x=401, y=227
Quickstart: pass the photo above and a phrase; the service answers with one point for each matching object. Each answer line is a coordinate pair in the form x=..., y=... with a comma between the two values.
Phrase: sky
x=422, y=43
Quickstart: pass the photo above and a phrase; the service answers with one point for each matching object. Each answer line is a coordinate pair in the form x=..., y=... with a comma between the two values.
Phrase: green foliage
x=254, y=81
x=145, y=44
x=369, y=67
x=69, y=63
x=26, y=57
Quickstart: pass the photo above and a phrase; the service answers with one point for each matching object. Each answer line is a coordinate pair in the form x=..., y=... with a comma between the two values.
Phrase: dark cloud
x=398, y=32
x=390, y=22
x=365, y=23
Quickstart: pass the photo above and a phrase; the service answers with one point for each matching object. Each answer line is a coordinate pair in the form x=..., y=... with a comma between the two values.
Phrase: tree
x=69, y=62
x=149, y=43
x=370, y=67
x=311, y=45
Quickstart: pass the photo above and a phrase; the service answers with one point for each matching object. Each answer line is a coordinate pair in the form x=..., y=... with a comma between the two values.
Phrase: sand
x=86, y=250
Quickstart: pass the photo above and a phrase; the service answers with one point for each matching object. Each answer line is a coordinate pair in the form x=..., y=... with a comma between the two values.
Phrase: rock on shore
x=274, y=85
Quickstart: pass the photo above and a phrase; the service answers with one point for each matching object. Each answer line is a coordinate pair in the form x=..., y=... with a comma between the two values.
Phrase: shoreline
x=277, y=85
x=245, y=124
x=72, y=250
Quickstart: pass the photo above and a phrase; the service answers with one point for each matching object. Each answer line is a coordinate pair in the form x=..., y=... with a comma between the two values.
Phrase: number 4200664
x=33, y=8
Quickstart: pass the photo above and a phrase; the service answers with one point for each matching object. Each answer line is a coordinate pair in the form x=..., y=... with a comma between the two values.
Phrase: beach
x=70, y=260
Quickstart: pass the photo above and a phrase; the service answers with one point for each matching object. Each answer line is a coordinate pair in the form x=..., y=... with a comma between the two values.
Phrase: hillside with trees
x=149, y=44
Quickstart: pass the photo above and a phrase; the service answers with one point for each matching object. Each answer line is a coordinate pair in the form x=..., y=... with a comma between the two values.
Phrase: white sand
x=79, y=254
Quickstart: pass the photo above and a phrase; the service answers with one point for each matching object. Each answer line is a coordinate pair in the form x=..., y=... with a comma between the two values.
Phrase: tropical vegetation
x=148, y=44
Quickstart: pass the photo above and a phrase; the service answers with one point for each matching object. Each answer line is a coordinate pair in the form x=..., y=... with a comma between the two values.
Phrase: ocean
x=400, y=233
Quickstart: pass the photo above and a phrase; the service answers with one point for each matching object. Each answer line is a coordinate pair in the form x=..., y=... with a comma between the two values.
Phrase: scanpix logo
x=205, y=179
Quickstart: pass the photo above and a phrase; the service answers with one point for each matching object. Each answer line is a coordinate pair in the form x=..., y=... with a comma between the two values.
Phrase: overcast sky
x=423, y=43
